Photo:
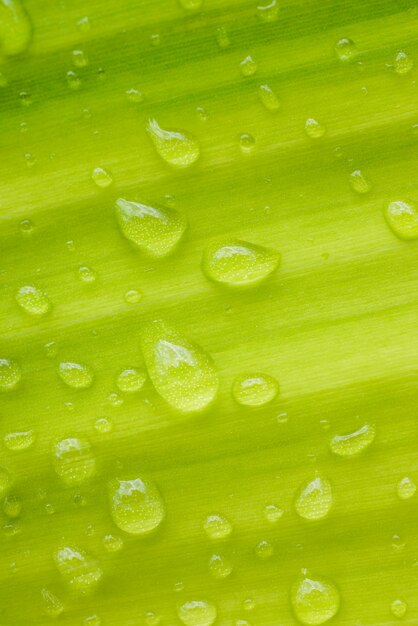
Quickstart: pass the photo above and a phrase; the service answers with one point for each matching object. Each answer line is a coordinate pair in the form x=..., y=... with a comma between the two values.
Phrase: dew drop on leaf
x=353, y=443
x=246, y=143
x=15, y=28
x=403, y=63
x=402, y=218
x=12, y=506
x=73, y=460
x=79, y=58
x=19, y=440
x=264, y=549
x=248, y=66
x=79, y=569
x=345, y=49
x=52, y=605
x=273, y=513
x=217, y=527
x=197, y=613
x=254, y=389
x=406, y=488
x=112, y=543
x=268, y=98
x=131, y=380
x=33, y=300
x=314, y=601
x=268, y=10
x=136, y=505
x=314, y=499
x=219, y=566
x=358, y=182
x=314, y=129
x=101, y=177
x=10, y=374
x=76, y=375
x=398, y=608
x=176, y=147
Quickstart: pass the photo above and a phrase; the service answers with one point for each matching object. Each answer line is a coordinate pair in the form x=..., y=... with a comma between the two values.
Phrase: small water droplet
x=406, y=488
x=202, y=114
x=101, y=177
x=314, y=499
x=15, y=28
x=70, y=245
x=79, y=58
x=345, y=49
x=151, y=619
x=79, y=569
x=33, y=300
x=73, y=80
x=398, y=544
x=114, y=399
x=238, y=263
x=131, y=380
x=51, y=349
x=10, y=374
x=73, y=460
x=248, y=66
x=264, y=549
x=248, y=604
x=398, y=608
x=134, y=95
x=86, y=274
x=179, y=586
x=76, y=375
x=133, y=296
x=402, y=218
x=112, y=543
x=26, y=228
x=12, y=506
x=176, y=147
x=314, y=601
x=273, y=513
x=246, y=143
x=403, y=63
x=52, y=605
x=19, y=440
x=219, y=567
x=268, y=98
x=222, y=37
x=191, y=5
x=254, y=389
x=103, y=425
x=354, y=443
x=49, y=508
x=197, y=613
x=84, y=24
x=358, y=182
x=92, y=620
x=217, y=527
x=268, y=10
x=136, y=505
x=314, y=129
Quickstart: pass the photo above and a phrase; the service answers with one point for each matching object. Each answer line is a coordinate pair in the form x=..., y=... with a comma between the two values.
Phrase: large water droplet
x=15, y=27
x=131, y=380
x=79, y=569
x=406, y=488
x=314, y=601
x=255, y=389
x=217, y=527
x=180, y=370
x=197, y=613
x=269, y=98
x=33, y=300
x=76, y=375
x=136, y=505
x=19, y=440
x=238, y=263
x=353, y=443
x=268, y=10
x=10, y=374
x=219, y=566
x=179, y=148
x=73, y=460
x=314, y=500
x=52, y=605
x=156, y=230
x=402, y=219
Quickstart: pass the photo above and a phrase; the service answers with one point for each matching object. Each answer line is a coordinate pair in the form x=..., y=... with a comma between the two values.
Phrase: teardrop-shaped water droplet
x=136, y=505
x=73, y=460
x=402, y=218
x=217, y=527
x=248, y=66
x=269, y=98
x=238, y=263
x=403, y=63
x=398, y=608
x=79, y=569
x=314, y=500
x=353, y=443
x=76, y=375
x=15, y=27
x=197, y=613
x=156, y=230
x=33, y=300
x=406, y=488
x=179, y=148
x=314, y=601
x=255, y=389
x=358, y=182
x=180, y=370
x=10, y=374
x=314, y=129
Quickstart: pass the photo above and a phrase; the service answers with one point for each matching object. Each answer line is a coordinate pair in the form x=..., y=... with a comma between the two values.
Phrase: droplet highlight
x=10, y=375
x=268, y=98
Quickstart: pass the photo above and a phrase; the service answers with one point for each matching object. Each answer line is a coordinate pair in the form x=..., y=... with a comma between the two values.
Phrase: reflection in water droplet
x=180, y=370
x=314, y=129
x=19, y=440
x=398, y=608
x=269, y=98
x=76, y=375
x=197, y=613
x=136, y=505
x=15, y=28
x=219, y=567
x=353, y=443
x=406, y=488
x=73, y=460
x=10, y=374
x=73, y=81
x=268, y=10
x=176, y=147
x=402, y=218
x=131, y=380
x=217, y=527
x=26, y=228
x=33, y=300
x=345, y=49
x=254, y=389
x=314, y=500
x=79, y=58
x=403, y=63
x=52, y=605
x=79, y=569
x=314, y=601
x=248, y=66
x=358, y=182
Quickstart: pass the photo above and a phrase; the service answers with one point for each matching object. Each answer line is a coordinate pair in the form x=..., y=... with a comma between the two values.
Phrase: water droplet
x=273, y=513
x=4, y=481
x=155, y=230
x=33, y=300
x=314, y=601
x=222, y=37
x=314, y=129
x=398, y=608
x=49, y=508
x=264, y=549
x=269, y=98
x=112, y=543
x=254, y=389
x=73, y=81
x=70, y=245
x=406, y=488
x=403, y=63
x=73, y=460
x=86, y=274
x=268, y=10
x=248, y=604
x=314, y=499
x=79, y=58
x=358, y=182
x=246, y=143
x=84, y=24
x=217, y=527
x=238, y=263
x=25, y=97
x=197, y=613
x=114, y=399
x=101, y=177
x=134, y=95
x=136, y=505
x=353, y=443
x=15, y=28
x=133, y=296
x=103, y=425
x=151, y=619
x=402, y=218
x=176, y=147
x=345, y=49
x=219, y=567
x=19, y=440
x=131, y=380
x=10, y=374
x=12, y=506
x=191, y=5
x=398, y=544
x=76, y=375
x=248, y=66
x=79, y=569
x=26, y=228
x=202, y=114
x=180, y=370
x=52, y=605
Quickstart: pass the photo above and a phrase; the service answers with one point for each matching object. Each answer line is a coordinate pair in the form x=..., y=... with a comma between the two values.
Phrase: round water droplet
x=314, y=601
x=136, y=505
x=406, y=488
x=176, y=147
x=255, y=389
x=79, y=569
x=268, y=10
x=114, y=399
x=101, y=177
x=314, y=129
x=358, y=182
x=238, y=263
x=10, y=374
x=398, y=608
x=269, y=98
x=15, y=28
x=103, y=425
x=33, y=300
x=180, y=370
x=403, y=63
x=264, y=549
x=345, y=49
x=76, y=375
x=12, y=506
x=134, y=95
x=131, y=380
x=197, y=613
x=26, y=228
x=248, y=66
x=73, y=460
x=52, y=605
x=79, y=58
x=219, y=567
x=155, y=230
x=191, y=5
x=133, y=296
x=86, y=274
x=112, y=543
x=5, y=481
x=273, y=513
x=402, y=218
x=353, y=443
x=19, y=440
x=217, y=527
x=314, y=500
x=246, y=143
x=222, y=37
x=73, y=81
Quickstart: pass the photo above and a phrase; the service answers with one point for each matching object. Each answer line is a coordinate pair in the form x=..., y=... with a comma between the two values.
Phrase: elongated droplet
x=76, y=375
x=10, y=374
x=197, y=613
x=179, y=148
x=353, y=443
x=255, y=389
x=79, y=569
x=15, y=27
x=33, y=300
x=315, y=499
x=403, y=63
x=314, y=601
x=52, y=605
x=136, y=505
x=19, y=440
x=73, y=460
x=269, y=98
x=238, y=263
x=180, y=370
x=156, y=230
x=402, y=219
